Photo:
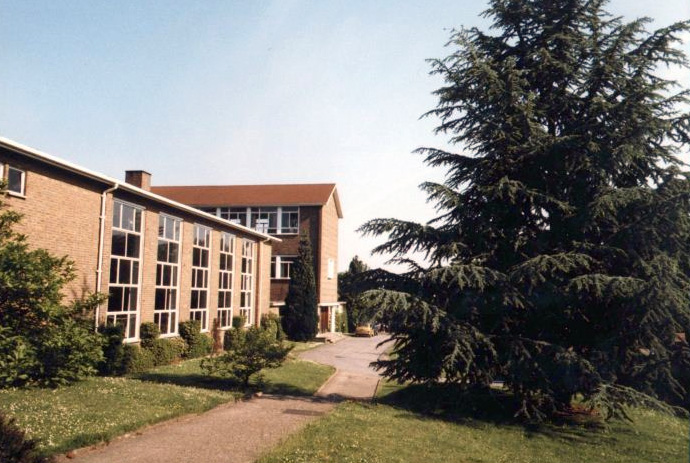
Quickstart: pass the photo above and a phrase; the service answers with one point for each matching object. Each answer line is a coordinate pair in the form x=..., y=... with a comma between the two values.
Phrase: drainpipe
x=99, y=269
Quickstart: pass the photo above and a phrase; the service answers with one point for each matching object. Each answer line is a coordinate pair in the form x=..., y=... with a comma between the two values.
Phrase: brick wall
x=60, y=214
x=328, y=289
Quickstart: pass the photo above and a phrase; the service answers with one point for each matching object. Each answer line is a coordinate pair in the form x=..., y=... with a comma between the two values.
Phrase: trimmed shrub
x=165, y=351
x=113, y=350
x=198, y=344
x=137, y=360
x=15, y=447
x=238, y=321
x=148, y=332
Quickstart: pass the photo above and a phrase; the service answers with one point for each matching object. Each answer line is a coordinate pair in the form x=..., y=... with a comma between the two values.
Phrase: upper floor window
x=281, y=266
x=272, y=220
x=289, y=222
x=16, y=180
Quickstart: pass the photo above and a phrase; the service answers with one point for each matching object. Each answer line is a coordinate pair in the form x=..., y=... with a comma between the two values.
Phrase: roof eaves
x=58, y=162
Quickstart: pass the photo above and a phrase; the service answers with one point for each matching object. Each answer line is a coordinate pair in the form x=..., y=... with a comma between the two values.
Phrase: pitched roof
x=117, y=184
x=311, y=194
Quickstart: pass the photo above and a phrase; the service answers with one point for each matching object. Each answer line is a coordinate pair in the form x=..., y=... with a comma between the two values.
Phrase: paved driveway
x=355, y=379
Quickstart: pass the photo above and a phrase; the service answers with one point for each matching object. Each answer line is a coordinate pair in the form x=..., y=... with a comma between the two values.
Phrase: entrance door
x=323, y=319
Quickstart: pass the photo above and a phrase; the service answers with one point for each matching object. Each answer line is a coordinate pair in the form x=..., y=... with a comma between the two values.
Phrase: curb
x=325, y=383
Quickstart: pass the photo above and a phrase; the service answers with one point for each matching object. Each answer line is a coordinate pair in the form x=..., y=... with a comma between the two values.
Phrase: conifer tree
x=559, y=260
x=351, y=286
x=300, y=317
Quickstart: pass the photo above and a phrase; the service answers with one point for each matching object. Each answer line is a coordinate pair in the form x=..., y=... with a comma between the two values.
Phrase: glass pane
x=173, y=252
x=115, y=299
x=124, y=276
x=196, y=257
x=169, y=229
x=173, y=299
x=204, y=258
x=132, y=245
x=161, y=226
x=164, y=323
x=135, y=272
x=194, y=304
x=132, y=325
x=14, y=180
x=118, y=243
x=162, y=251
x=160, y=299
x=133, y=298
x=166, y=275
x=113, y=270
x=137, y=220
x=177, y=230
x=127, y=217
x=174, y=277
x=116, y=214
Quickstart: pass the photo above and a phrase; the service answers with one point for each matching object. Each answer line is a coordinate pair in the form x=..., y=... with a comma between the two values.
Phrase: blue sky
x=229, y=92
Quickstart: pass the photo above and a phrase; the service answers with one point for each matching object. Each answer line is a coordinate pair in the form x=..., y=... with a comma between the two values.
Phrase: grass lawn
x=394, y=430
x=99, y=409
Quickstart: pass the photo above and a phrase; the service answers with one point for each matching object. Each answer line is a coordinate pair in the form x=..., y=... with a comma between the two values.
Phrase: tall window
x=247, y=282
x=227, y=251
x=125, y=260
x=200, y=270
x=167, y=273
x=281, y=266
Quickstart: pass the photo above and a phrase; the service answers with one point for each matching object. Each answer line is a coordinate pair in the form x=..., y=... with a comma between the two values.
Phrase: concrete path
x=232, y=433
x=355, y=379
x=241, y=432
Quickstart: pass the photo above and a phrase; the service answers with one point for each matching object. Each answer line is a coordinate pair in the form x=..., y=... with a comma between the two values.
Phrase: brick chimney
x=138, y=178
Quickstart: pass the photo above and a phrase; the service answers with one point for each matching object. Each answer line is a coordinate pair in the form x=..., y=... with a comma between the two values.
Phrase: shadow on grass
x=199, y=380
x=217, y=383
x=480, y=407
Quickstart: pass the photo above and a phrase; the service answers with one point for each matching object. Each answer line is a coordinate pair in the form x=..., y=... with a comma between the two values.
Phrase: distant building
x=283, y=211
x=159, y=260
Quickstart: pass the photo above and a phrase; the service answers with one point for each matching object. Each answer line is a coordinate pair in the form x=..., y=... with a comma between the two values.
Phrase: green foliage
x=42, y=341
x=198, y=344
x=560, y=258
x=67, y=352
x=299, y=316
x=137, y=360
x=114, y=362
x=341, y=322
x=271, y=321
x=17, y=359
x=238, y=321
x=247, y=352
x=15, y=447
x=351, y=286
x=148, y=332
x=165, y=351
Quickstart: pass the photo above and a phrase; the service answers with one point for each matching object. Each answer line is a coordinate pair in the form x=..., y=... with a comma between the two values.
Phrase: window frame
x=177, y=267
x=247, y=281
x=22, y=181
x=206, y=274
x=277, y=267
x=225, y=280
x=131, y=259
